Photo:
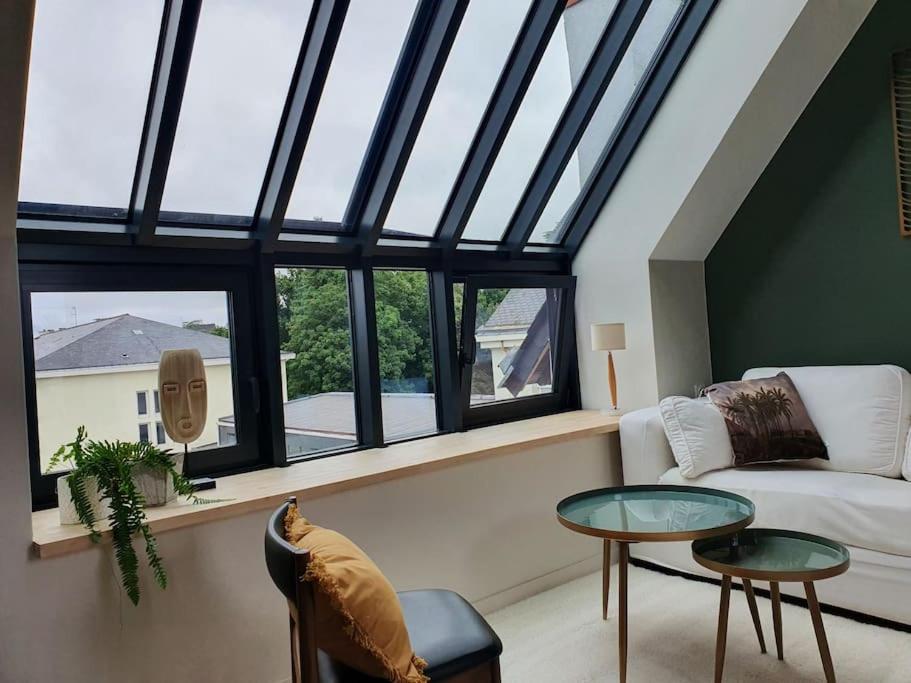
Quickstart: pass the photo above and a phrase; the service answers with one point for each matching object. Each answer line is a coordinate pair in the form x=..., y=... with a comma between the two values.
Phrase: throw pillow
x=767, y=421
x=359, y=619
x=697, y=434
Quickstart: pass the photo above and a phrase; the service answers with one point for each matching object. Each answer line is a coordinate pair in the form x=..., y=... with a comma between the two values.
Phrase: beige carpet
x=558, y=636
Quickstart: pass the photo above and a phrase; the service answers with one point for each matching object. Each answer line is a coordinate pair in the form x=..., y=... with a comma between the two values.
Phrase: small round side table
x=776, y=556
x=633, y=514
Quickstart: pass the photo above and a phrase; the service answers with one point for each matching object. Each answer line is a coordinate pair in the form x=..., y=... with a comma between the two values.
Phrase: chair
x=457, y=643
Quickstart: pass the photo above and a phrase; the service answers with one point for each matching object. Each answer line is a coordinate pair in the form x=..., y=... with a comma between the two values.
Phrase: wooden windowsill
x=266, y=489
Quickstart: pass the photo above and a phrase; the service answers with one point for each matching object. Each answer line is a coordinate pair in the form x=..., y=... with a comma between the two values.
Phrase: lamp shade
x=608, y=337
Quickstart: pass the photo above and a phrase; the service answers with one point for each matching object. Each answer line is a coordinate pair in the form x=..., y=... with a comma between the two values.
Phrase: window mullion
x=367, y=390
x=445, y=351
x=172, y=63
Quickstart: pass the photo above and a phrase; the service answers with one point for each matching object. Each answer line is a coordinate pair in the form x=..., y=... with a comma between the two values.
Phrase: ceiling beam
x=579, y=110
x=523, y=60
x=634, y=122
x=411, y=89
x=169, y=77
x=310, y=73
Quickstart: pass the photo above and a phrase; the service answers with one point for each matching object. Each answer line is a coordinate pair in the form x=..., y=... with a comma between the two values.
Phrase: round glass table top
x=655, y=513
x=773, y=555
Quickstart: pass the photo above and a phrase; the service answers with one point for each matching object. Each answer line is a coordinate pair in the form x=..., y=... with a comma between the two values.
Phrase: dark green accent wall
x=811, y=270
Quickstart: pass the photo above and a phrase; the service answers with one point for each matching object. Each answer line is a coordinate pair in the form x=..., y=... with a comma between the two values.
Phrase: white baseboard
x=539, y=584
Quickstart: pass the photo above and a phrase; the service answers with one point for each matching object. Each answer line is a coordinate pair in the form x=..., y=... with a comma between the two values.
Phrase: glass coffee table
x=772, y=555
x=632, y=514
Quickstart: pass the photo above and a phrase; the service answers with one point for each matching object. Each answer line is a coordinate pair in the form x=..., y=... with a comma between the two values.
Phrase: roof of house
x=332, y=413
x=121, y=340
x=517, y=310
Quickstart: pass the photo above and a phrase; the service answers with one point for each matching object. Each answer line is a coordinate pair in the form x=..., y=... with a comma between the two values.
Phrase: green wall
x=811, y=270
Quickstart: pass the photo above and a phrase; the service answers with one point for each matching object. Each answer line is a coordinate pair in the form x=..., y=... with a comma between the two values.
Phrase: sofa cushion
x=767, y=421
x=862, y=412
x=856, y=509
x=697, y=434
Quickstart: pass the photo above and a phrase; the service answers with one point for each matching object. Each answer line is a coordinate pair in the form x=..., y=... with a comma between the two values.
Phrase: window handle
x=469, y=353
x=254, y=392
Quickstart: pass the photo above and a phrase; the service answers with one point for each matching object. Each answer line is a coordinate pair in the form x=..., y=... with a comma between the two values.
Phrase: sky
x=91, y=69
x=54, y=310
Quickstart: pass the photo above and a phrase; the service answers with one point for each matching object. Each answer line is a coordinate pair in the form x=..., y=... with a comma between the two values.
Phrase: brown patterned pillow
x=767, y=421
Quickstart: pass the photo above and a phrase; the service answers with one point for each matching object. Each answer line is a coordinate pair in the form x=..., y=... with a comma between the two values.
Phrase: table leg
x=623, y=567
x=605, y=578
x=813, y=604
x=754, y=612
x=776, y=617
x=722, y=638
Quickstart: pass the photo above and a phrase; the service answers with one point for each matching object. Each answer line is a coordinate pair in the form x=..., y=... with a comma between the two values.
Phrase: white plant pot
x=157, y=487
x=66, y=506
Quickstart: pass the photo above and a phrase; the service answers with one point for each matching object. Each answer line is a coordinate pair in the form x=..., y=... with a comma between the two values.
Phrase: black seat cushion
x=444, y=629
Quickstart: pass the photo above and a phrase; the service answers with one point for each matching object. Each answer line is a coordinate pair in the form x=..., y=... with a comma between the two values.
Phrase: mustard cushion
x=359, y=620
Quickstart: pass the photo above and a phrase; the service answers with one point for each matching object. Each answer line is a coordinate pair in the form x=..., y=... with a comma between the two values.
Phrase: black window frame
x=76, y=244
x=562, y=396
x=36, y=278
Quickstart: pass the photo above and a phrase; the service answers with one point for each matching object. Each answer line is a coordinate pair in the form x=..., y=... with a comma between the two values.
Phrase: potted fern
x=105, y=472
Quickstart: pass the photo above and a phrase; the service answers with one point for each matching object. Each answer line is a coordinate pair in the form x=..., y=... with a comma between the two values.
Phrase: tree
x=314, y=324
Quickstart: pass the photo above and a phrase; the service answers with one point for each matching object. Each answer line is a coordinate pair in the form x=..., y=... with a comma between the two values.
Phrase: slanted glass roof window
x=557, y=74
x=485, y=38
x=243, y=58
x=365, y=57
x=91, y=67
x=636, y=62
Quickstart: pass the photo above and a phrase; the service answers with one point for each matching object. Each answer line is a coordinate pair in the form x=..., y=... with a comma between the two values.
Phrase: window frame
x=562, y=396
x=37, y=278
x=142, y=403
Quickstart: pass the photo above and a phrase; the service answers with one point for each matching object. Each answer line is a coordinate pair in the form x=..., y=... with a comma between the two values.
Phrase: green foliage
x=112, y=465
x=314, y=325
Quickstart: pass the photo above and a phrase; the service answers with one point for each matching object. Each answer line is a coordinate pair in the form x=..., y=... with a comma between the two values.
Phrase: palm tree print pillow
x=767, y=421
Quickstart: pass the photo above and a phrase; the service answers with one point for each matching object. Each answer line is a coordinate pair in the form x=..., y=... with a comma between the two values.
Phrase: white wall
x=747, y=79
x=480, y=528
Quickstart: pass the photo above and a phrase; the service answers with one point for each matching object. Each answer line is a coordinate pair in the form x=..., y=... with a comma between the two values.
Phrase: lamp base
x=612, y=412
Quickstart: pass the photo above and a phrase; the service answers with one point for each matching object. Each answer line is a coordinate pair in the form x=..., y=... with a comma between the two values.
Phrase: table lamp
x=609, y=337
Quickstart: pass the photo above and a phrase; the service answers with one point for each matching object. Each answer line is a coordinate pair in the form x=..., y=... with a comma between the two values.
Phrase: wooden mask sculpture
x=184, y=398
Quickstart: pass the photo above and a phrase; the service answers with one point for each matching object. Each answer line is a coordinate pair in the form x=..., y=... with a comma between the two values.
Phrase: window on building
x=406, y=353
x=157, y=401
x=314, y=332
x=142, y=403
x=144, y=433
x=160, y=435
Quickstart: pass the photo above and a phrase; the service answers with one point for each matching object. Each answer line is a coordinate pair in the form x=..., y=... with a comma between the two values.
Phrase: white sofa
x=863, y=414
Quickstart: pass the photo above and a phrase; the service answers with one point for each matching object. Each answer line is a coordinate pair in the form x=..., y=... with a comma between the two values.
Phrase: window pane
x=563, y=61
x=406, y=353
x=88, y=86
x=157, y=402
x=632, y=68
x=142, y=406
x=107, y=345
x=484, y=40
x=513, y=336
x=243, y=58
x=314, y=329
x=144, y=433
x=367, y=51
x=160, y=433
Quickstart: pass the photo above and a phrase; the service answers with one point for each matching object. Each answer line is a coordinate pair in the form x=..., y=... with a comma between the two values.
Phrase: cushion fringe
x=328, y=584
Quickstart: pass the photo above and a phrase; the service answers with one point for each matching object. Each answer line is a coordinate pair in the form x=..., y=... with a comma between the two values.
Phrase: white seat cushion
x=862, y=412
x=856, y=509
x=697, y=434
